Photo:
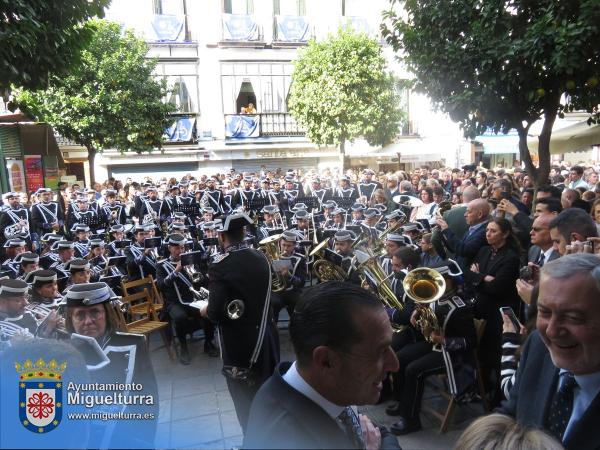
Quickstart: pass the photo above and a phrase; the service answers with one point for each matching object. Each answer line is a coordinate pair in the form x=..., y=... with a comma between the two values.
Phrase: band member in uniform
x=140, y=261
x=445, y=347
x=44, y=287
x=81, y=232
x=90, y=312
x=82, y=214
x=245, y=195
x=270, y=213
x=343, y=240
x=114, y=212
x=117, y=234
x=46, y=216
x=153, y=209
x=357, y=214
x=80, y=272
x=290, y=194
x=294, y=275
x=367, y=187
x=346, y=190
x=28, y=262
x=239, y=303
x=393, y=242
x=66, y=252
x=177, y=287
x=14, y=220
x=12, y=248
x=214, y=197
x=13, y=303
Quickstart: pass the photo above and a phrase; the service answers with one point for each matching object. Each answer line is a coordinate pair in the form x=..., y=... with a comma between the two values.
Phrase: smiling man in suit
x=342, y=340
x=557, y=386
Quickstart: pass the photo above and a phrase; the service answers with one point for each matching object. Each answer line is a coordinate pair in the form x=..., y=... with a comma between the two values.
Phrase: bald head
x=477, y=211
x=470, y=193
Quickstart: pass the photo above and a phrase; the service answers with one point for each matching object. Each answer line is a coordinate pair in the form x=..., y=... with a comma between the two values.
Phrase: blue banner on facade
x=166, y=28
x=292, y=29
x=242, y=126
x=240, y=27
x=182, y=130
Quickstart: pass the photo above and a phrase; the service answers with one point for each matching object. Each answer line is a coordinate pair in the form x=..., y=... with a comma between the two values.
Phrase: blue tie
x=562, y=406
x=352, y=427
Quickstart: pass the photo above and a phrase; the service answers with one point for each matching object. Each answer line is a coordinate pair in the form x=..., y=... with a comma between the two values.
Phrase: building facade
x=228, y=65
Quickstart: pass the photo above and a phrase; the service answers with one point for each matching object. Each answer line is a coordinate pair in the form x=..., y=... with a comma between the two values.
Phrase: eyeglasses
x=94, y=315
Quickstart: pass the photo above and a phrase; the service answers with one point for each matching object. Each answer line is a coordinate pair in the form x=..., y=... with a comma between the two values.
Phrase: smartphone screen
x=508, y=311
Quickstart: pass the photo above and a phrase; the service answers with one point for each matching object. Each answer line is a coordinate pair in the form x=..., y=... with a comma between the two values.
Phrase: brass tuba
x=370, y=267
x=324, y=269
x=425, y=286
x=270, y=247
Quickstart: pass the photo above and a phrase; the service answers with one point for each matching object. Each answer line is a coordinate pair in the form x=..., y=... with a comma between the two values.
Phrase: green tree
x=502, y=64
x=341, y=90
x=110, y=100
x=42, y=37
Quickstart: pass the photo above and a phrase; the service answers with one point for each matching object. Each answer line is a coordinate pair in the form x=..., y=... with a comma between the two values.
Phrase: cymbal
x=270, y=239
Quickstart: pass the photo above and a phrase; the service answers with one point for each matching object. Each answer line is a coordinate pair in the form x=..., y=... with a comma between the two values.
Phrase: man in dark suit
x=542, y=249
x=455, y=218
x=557, y=385
x=341, y=336
x=465, y=248
x=240, y=291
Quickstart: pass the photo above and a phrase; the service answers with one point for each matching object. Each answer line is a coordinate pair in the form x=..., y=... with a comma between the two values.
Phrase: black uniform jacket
x=243, y=274
x=282, y=417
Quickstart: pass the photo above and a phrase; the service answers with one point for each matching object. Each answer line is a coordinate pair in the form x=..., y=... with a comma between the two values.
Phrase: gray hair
x=570, y=265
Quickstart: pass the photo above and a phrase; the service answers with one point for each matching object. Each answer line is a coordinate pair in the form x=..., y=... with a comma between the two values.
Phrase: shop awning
x=578, y=137
x=416, y=150
x=495, y=144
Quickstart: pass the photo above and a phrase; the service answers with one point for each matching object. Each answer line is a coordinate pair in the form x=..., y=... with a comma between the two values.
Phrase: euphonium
x=370, y=267
x=270, y=247
x=425, y=286
x=324, y=269
x=193, y=274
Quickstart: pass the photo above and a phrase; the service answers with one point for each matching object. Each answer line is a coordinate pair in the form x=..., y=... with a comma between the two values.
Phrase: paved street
x=196, y=410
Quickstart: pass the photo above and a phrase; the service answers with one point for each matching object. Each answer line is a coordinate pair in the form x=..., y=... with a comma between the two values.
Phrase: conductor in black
x=240, y=288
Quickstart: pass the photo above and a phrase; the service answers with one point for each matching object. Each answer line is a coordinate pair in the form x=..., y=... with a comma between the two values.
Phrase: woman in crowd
x=427, y=209
x=491, y=279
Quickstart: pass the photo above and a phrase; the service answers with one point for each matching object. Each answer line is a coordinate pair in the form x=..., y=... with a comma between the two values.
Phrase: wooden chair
x=441, y=387
x=131, y=287
x=142, y=306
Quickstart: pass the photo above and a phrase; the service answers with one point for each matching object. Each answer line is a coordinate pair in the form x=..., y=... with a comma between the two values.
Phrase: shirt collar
x=588, y=383
x=475, y=227
x=295, y=380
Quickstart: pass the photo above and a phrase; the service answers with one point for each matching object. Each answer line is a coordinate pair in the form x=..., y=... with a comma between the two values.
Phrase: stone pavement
x=196, y=410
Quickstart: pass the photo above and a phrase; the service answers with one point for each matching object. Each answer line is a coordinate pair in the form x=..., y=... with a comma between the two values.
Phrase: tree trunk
x=343, y=159
x=539, y=174
x=91, y=157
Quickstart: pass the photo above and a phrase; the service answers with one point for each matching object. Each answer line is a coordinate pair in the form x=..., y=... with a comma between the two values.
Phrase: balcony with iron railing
x=278, y=124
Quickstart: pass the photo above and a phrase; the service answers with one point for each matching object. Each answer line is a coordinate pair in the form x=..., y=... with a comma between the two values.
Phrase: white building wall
x=205, y=23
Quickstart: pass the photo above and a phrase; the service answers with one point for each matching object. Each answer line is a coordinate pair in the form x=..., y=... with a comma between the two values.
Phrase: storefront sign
x=16, y=175
x=34, y=172
x=51, y=172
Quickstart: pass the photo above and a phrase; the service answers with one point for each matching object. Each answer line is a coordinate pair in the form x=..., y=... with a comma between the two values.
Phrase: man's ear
x=324, y=358
x=577, y=237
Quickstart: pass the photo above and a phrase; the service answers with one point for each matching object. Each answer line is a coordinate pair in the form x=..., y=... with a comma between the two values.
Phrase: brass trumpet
x=425, y=286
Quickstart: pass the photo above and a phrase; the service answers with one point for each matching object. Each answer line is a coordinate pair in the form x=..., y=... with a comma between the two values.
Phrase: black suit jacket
x=465, y=248
x=531, y=397
x=282, y=417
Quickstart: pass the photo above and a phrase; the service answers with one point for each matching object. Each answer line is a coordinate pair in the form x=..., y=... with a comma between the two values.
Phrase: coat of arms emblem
x=40, y=394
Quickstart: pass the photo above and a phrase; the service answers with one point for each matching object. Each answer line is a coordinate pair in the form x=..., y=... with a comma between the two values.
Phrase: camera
x=526, y=273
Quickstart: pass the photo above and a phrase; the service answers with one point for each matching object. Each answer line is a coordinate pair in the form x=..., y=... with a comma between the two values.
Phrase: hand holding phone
x=508, y=312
